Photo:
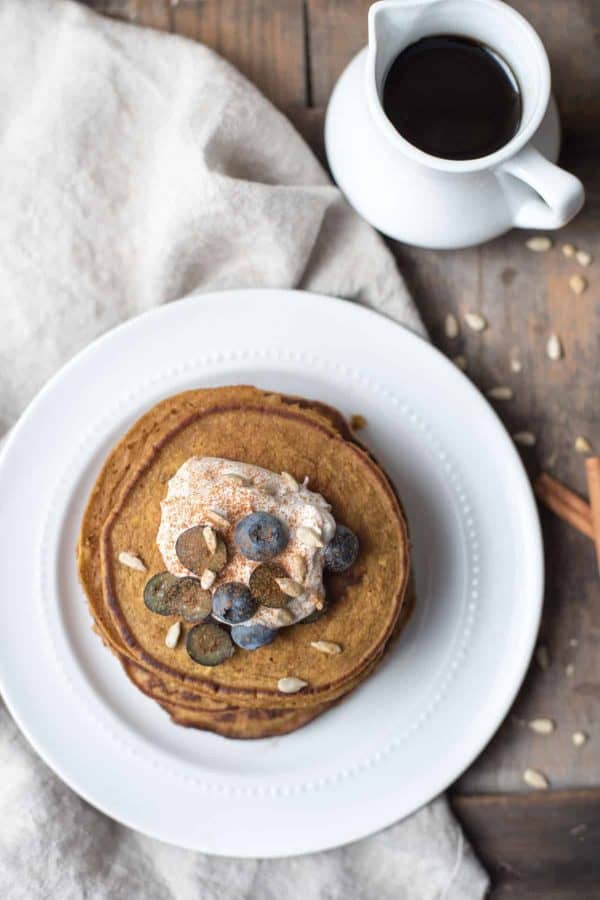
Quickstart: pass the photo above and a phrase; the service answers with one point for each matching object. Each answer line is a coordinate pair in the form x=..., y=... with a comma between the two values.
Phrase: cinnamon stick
x=566, y=504
x=592, y=468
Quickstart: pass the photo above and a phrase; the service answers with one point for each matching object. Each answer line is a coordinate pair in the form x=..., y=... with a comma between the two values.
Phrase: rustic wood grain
x=565, y=826
x=294, y=52
x=337, y=30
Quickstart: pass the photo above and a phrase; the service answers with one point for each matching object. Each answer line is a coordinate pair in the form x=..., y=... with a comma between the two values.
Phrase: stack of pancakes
x=365, y=606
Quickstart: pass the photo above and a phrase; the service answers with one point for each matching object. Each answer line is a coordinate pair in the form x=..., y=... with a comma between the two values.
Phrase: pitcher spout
x=393, y=25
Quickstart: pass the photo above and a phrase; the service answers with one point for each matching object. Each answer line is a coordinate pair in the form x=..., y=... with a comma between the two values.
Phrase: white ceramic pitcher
x=432, y=202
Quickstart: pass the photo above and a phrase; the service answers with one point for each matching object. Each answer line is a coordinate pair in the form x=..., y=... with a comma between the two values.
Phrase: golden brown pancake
x=236, y=722
x=211, y=715
x=277, y=433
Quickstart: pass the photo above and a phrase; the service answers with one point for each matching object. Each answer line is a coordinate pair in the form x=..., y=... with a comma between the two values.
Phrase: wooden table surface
x=542, y=845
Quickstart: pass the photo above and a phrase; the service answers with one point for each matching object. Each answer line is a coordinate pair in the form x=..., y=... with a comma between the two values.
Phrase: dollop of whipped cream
x=204, y=484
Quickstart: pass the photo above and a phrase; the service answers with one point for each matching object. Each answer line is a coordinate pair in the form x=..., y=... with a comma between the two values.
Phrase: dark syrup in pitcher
x=452, y=97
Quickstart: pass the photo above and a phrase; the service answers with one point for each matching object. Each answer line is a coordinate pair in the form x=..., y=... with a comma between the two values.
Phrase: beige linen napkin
x=136, y=167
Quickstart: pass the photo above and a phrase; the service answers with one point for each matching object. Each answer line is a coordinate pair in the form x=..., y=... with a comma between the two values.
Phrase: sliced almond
x=539, y=244
x=578, y=284
x=289, y=587
x=579, y=738
x=582, y=445
x=501, y=392
x=460, y=362
x=451, y=325
x=569, y=670
x=210, y=538
x=207, y=579
x=583, y=258
x=326, y=647
x=290, y=482
x=173, y=635
x=525, y=438
x=536, y=779
x=291, y=685
x=131, y=561
x=297, y=568
x=554, y=348
x=217, y=519
x=516, y=365
x=475, y=321
x=568, y=250
x=309, y=536
x=542, y=726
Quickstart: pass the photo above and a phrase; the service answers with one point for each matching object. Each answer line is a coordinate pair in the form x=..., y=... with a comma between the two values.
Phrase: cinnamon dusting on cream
x=205, y=485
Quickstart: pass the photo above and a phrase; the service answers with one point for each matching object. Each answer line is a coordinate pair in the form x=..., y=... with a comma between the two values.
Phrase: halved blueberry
x=265, y=589
x=189, y=600
x=193, y=553
x=209, y=644
x=232, y=603
x=251, y=637
x=261, y=536
x=157, y=593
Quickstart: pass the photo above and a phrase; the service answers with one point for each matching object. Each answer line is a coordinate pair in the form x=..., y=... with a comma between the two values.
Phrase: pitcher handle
x=561, y=195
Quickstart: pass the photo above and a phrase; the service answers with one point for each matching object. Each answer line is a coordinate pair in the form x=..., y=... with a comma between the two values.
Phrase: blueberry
x=251, y=637
x=209, y=644
x=157, y=593
x=341, y=551
x=232, y=603
x=260, y=536
x=189, y=600
x=193, y=552
x=265, y=589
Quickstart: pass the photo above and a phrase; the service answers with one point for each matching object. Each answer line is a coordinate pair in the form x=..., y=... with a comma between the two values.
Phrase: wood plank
x=536, y=844
x=337, y=29
x=524, y=297
x=264, y=39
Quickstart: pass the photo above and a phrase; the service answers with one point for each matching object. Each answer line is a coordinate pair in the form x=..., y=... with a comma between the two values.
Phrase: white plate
x=405, y=734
